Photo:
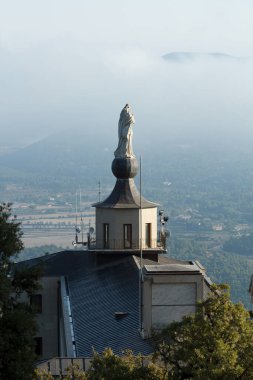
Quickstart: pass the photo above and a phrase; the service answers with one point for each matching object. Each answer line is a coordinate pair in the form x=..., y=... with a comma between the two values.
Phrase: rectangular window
x=106, y=235
x=148, y=235
x=127, y=235
x=36, y=302
x=38, y=346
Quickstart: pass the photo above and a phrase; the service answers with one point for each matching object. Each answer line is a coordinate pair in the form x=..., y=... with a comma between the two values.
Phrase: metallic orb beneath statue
x=124, y=168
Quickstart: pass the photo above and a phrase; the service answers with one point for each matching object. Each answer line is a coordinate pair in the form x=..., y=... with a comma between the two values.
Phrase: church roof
x=105, y=309
x=125, y=195
x=104, y=299
x=104, y=295
x=62, y=263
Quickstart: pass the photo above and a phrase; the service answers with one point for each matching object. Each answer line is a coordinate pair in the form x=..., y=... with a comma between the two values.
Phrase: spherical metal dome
x=124, y=168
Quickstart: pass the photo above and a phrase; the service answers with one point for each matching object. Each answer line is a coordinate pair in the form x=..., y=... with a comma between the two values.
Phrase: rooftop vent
x=120, y=314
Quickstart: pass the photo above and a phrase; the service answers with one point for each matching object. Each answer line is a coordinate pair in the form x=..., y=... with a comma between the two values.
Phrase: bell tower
x=125, y=220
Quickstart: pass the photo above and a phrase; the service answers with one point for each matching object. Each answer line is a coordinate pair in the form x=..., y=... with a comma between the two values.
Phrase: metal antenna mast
x=140, y=274
x=76, y=219
x=140, y=218
x=99, y=191
x=81, y=212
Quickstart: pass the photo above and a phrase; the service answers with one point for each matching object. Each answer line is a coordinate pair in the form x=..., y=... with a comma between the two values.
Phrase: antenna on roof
x=140, y=220
x=141, y=274
x=78, y=229
x=99, y=191
x=164, y=234
x=81, y=216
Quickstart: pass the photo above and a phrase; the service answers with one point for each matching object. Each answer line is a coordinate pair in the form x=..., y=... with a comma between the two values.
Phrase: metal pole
x=81, y=212
x=140, y=216
x=76, y=219
x=99, y=191
x=140, y=273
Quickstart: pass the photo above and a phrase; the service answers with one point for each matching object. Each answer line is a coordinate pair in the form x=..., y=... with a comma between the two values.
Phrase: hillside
x=182, y=56
x=62, y=154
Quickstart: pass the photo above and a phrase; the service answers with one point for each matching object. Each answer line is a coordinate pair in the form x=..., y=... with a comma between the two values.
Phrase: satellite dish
x=91, y=230
x=167, y=234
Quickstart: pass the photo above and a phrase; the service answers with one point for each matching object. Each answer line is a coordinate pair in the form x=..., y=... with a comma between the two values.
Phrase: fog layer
x=74, y=67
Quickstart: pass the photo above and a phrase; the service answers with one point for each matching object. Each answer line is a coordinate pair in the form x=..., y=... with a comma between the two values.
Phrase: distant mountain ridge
x=85, y=157
x=65, y=153
x=182, y=56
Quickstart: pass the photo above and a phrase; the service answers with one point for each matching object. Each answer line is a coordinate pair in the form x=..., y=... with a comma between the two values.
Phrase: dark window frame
x=148, y=229
x=36, y=302
x=127, y=236
x=38, y=346
x=106, y=235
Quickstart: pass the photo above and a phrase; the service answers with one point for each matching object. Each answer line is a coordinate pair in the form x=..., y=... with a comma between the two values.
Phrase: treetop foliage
x=214, y=343
x=10, y=235
x=109, y=366
x=17, y=323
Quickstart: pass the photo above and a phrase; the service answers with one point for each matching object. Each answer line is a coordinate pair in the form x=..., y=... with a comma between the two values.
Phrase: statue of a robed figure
x=125, y=132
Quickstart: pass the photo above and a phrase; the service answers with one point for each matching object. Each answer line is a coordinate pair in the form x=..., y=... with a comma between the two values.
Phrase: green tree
x=72, y=373
x=75, y=373
x=109, y=366
x=17, y=323
x=42, y=374
x=214, y=343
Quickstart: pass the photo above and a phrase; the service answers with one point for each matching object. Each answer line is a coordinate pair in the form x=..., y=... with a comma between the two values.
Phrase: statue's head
x=126, y=115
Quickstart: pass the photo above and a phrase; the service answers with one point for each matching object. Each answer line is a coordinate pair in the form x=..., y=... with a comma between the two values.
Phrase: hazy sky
x=74, y=64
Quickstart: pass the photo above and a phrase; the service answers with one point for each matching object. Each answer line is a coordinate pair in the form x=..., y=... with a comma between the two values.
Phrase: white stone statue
x=125, y=131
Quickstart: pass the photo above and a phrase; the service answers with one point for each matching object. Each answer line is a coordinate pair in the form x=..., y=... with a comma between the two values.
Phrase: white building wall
x=170, y=302
x=168, y=297
x=149, y=215
x=164, y=315
x=116, y=218
x=48, y=319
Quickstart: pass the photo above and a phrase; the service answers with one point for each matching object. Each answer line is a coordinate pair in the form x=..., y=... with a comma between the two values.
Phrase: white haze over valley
x=72, y=65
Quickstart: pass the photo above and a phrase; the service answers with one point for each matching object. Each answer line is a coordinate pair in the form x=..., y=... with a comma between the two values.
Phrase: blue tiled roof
x=95, y=297
x=101, y=285
x=62, y=263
